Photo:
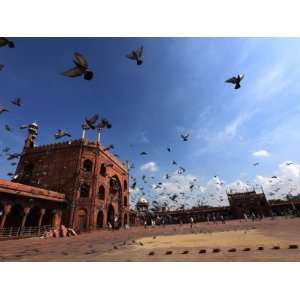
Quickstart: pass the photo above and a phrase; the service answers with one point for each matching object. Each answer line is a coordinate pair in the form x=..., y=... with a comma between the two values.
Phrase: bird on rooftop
x=81, y=68
x=235, y=80
x=6, y=42
x=136, y=55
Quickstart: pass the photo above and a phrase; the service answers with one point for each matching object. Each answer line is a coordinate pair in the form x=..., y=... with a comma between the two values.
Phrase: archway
x=48, y=217
x=33, y=217
x=125, y=201
x=84, y=190
x=87, y=165
x=14, y=218
x=103, y=170
x=101, y=192
x=100, y=219
x=110, y=215
x=82, y=220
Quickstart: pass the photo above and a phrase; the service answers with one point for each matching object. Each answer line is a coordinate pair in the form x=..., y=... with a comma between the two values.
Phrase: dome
x=142, y=201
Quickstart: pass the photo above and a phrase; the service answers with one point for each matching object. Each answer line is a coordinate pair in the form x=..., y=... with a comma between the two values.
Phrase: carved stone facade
x=94, y=182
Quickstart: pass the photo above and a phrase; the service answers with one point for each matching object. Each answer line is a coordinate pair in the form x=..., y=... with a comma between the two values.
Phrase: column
x=6, y=211
x=42, y=213
x=25, y=214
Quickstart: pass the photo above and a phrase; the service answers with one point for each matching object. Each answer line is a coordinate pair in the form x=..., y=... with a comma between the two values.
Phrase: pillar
x=25, y=214
x=42, y=213
x=6, y=211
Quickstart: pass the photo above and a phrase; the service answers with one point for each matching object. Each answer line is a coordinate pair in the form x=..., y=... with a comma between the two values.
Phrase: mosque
x=77, y=183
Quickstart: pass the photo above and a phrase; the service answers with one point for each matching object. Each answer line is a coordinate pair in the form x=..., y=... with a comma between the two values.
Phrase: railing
x=18, y=232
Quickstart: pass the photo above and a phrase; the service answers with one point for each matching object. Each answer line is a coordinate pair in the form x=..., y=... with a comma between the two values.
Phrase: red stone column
x=6, y=211
x=25, y=214
x=42, y=213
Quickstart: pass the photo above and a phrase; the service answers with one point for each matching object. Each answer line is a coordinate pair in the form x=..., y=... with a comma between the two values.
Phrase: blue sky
x=179, y=88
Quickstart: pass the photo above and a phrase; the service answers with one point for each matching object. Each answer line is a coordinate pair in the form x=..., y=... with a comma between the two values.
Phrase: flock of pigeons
x=167, y=199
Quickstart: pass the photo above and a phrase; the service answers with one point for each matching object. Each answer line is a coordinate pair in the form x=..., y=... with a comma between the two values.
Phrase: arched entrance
x=48, y=217
x=81, y=220
x=100, y=219
x=14, y=218
x=110, y=215
x=33, y=217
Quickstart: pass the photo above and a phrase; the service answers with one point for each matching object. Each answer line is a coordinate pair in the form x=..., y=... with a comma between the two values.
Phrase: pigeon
x=2, y=109
x=104, y=123
x=235, y=80
x=6, y=42
x=6, y=149
x=23, y=127
x=256, y=164
x=111, y=146
x=174, y=162
x=184, y=137
x=8, y=128
x=16, y=102
x=136, y=55
x=60, y=134
x=169, y=149
x=13, y=156
x=143, y=153
x=133, y=185
x=91, y=121
x=289, y=163
x=80, y=69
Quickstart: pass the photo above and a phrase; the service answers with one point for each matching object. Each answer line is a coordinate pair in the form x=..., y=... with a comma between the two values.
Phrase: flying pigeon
x=81, y=68
x=60, y=134
x=256, y=164
x=136, y=55
x=8, y=128
x=104, y=123
x=91, y=121
x=2, y=109
x=169, y=149
x=236, y=81
x=16, y=102
x=289, y=163
x=23, y=127
x=184, y=137
x=143, y=153
x=6, y=149
x=13, y=156
x=174, y=162
x=6, y=42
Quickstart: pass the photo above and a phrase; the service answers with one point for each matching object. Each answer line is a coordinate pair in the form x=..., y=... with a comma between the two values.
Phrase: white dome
x=143, y=201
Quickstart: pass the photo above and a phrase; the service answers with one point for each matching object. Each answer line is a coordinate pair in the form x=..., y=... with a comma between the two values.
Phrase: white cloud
x=261, y=153
x=149, y=167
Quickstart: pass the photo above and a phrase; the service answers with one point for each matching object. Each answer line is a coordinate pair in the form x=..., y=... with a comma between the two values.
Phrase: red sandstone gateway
x=74, y=183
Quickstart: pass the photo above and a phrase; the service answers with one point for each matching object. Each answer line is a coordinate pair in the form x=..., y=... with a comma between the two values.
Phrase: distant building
x=248, y=202
x=90, y=181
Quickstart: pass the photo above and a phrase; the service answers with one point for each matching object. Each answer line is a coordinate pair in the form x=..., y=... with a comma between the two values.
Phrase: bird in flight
x=169, y=149
x=82, y=68
x=236, y=80
x=90, y=122
x=7, y=128
x=16, y=102
x=61, y=133
x=256, y=164
x=143, y=153
x=136, y=55
x=185, y=137
x=6, y=42
x=2, y=109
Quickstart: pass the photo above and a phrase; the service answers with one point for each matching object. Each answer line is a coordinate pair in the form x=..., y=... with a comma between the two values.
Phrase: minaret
x=32, y=134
